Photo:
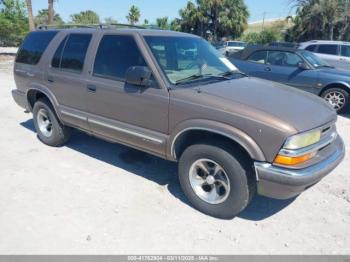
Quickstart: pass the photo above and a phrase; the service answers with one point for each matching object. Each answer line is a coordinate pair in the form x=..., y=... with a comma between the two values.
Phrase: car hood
x=301, y=110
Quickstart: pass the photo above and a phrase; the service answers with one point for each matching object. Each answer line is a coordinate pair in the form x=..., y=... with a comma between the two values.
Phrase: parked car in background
x=298, y=68
x=284, y=44
x=336, y=53
x=230, y=47
x=172, y=95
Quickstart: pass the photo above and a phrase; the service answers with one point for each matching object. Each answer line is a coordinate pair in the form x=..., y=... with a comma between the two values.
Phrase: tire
x=339, y=96
x=47, y=125
x=236, y=168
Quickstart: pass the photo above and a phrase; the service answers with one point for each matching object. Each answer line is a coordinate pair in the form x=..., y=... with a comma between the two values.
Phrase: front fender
x=228, y=131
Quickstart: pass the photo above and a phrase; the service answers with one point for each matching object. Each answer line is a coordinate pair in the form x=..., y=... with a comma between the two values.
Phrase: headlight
x=303, y=140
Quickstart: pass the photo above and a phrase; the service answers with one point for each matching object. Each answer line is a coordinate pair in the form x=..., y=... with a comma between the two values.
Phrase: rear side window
x=74, y=52
x=328, y=49
x=345, y=50
x=311, y=48
x=34, y=46
x=115, y=54
x=258, y=57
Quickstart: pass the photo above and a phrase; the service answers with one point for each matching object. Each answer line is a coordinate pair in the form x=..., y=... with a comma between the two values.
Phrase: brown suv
x=172, y=95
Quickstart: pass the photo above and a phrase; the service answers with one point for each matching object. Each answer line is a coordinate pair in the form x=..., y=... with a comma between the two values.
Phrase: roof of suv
x=149, y=32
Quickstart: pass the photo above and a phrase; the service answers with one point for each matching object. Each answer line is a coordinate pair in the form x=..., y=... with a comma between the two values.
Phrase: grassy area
x=276, y=24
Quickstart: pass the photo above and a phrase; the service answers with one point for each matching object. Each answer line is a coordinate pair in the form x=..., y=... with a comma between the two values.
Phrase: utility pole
x=263, y=23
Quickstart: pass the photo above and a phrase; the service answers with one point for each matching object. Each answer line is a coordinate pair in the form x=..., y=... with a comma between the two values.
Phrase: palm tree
x=50, y=11
x=134, y=15
x=30, y=15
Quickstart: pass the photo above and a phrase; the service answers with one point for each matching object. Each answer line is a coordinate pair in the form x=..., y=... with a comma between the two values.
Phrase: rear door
x=284, y=69
x=133, y=115
x=66, y=77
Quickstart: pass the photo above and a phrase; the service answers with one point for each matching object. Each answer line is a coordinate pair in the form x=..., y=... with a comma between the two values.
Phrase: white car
x=335, y=53
x=230, y=47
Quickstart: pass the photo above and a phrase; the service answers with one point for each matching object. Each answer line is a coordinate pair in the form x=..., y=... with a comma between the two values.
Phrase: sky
x=151, y=9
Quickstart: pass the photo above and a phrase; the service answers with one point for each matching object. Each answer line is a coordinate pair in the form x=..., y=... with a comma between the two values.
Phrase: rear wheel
x=216, y=181
x=338, y=98
x=48, y=127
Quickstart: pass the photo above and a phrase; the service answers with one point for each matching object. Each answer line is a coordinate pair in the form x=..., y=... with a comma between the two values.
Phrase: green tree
x=162, y=22
x=42, y=18
x=134, y=15
x=217, y=18
x=13, y=22
x=85, y=17
x=145, y=22
x=320, y=19
x=264, y=37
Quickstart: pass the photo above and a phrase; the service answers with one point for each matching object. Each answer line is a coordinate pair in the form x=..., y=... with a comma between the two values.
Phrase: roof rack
x=97, y=26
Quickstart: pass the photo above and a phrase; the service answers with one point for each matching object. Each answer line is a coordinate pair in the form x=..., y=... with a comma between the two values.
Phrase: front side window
x=279, y=58
x=34, y=46
x=190, y=58
x=328, y=49
x=258, y=57
x=115, y=55
x=74, y=52
x=345, y=50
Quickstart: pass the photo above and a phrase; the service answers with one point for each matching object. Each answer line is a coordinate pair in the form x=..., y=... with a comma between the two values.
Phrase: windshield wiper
x=196, y=76
x=326, y=66
x=233, y=72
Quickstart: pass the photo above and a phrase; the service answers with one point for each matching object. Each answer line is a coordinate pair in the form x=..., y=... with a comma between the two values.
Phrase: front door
x=133, y=115
x=283, y=67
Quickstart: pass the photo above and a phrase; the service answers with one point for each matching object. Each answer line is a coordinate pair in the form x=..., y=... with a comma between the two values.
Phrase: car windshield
x=314, y=60
x=188, y=59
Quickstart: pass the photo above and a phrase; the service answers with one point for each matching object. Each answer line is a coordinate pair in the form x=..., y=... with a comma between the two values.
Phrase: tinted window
x=311, y=48
x=258, y=57
x=345, y=50
x=34, y=46
x=115, y=54
x=328, y=49
x=74, y=52
x=56, y=60
x=283, y=58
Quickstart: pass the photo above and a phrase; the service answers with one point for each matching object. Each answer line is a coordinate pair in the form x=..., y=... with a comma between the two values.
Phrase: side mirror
x=303, y=66
x=138, y=75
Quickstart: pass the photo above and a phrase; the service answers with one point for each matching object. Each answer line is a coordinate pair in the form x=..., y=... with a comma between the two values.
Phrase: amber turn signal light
x=292, y=161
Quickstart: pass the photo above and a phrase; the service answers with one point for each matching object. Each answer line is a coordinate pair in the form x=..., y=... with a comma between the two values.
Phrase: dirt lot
x=92, y=197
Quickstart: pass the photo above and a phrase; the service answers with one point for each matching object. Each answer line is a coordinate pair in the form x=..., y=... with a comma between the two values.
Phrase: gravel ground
x=92, y=197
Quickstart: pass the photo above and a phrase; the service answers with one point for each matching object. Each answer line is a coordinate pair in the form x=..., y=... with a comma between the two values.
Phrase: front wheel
x=338, y=98
x=216, y=182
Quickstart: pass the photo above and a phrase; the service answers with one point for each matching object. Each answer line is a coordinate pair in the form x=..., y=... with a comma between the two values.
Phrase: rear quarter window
x=34, y=46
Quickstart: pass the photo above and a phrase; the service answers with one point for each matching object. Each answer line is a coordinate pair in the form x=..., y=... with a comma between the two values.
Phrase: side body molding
x=226, y=130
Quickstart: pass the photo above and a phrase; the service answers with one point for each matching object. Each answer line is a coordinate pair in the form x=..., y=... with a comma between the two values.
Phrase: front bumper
x=283, y=183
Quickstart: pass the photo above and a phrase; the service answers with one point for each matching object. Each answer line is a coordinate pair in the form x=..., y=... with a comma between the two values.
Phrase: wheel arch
x=342, y=85
x=36, y=92
x=191, y=131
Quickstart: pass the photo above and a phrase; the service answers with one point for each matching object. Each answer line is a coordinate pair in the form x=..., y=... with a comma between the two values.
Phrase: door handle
x=91, y=88
x=268, y=69
x=50, y=79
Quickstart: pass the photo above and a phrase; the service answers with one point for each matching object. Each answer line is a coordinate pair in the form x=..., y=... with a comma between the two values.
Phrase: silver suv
x=336, y=53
